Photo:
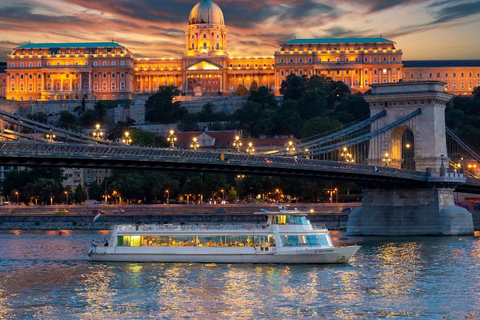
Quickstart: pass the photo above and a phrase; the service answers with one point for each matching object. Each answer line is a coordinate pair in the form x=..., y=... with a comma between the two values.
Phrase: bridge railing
x=79, y=151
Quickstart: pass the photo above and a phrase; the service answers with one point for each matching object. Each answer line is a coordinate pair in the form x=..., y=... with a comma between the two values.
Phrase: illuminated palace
x=108, y=70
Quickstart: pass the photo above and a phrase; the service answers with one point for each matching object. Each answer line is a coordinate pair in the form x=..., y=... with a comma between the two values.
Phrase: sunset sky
x=443, y=29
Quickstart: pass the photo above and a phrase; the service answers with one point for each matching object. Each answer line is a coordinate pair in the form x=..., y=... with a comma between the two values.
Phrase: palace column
x=149, y=83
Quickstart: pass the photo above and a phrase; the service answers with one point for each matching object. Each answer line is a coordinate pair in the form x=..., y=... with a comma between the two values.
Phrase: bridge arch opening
x=403, y=148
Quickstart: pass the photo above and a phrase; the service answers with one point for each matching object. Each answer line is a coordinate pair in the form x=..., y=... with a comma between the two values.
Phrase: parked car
x=119, y=211
x=221, y=210
x=61, y=211
x=346, y=210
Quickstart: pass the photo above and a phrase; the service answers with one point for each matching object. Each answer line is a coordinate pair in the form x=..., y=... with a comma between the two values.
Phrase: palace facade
x=109, y=71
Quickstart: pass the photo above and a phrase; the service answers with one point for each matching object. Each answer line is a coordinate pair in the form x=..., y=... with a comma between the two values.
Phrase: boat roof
x=283, y=212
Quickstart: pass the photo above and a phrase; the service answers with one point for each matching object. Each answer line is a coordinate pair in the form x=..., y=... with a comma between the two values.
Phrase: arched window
x=204, y=45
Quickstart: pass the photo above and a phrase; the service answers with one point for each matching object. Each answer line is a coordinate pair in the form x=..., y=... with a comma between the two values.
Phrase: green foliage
x=293, y=87
x=80, y=194
x=38, y=182
x=161, y=108
x=462, y=116
x=38, y=116
x=320, y=125
x=264, y=97
x=144, y=138
x=96, y=191
x=67, y=120
x=476, y=92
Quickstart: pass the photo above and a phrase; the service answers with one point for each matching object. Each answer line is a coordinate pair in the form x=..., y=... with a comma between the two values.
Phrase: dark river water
x=44, y=275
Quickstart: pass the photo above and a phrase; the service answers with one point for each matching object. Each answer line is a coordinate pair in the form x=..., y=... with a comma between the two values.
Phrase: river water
x=44, y=275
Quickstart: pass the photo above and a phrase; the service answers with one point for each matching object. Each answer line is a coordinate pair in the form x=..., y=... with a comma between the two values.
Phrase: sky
x=423, y=29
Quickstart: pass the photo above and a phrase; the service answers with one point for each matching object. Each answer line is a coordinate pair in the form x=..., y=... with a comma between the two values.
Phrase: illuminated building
x=358, y=62
x=460, y=76
x=108, y=70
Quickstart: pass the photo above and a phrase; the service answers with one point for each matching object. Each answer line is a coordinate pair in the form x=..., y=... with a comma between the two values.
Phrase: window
x=95, y=63
x=384, y=59
x=113, y=74
x=430, y=75
x=30, y=64
x=104, y=63
x=462, y=85
x=95, y=75
x=446, y=75
x=454, y=75
x=375, y=71
x=122, y=63
x=104, y=75
x=291, y=60
x=419, y=74
x=374, y=59
x=366, y=59
x=411, y=75
x=95, y=86
x=114, y=63
x=122, y=85
x=393, y=59
x=454, y=85
x=21, y=64
x=122, y=75
x=113, y=86
x=104, y=86
x=462, y=75
x=39, y=64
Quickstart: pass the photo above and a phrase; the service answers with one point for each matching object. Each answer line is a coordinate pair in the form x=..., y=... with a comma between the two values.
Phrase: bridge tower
x=418, y=144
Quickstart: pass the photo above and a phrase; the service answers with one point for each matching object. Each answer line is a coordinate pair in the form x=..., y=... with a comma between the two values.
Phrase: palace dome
x=206, y=12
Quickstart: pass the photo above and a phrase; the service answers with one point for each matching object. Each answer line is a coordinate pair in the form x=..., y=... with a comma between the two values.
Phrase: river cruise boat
x=286, y=237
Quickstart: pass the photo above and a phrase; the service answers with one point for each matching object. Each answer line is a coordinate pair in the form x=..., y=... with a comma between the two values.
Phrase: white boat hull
x=311, y=255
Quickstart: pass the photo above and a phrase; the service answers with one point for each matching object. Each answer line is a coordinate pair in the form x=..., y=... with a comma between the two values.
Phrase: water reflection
x=47, y=276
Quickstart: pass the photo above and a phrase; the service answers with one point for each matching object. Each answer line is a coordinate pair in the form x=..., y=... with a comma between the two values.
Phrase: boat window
x=194, y=241
x=295, y=220
x=128, y=241
x=301, y=240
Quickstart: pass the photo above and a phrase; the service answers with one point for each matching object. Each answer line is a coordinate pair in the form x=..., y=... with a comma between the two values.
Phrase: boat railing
x=202, y=227
x=187, y=227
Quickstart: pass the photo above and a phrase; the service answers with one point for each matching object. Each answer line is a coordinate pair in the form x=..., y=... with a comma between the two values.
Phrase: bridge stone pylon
x=420, y=143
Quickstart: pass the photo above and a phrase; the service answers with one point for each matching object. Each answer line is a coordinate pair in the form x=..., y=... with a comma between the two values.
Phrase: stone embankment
x=81, y=217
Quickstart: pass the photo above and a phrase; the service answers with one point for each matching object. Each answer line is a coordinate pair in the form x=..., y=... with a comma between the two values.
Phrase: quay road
x=80, y=217
x=178, y=208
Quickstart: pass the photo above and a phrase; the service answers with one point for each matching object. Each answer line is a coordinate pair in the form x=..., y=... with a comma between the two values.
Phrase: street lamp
x=250, y=148
x=237, y=143
x=386, y=159
x=50, y=137
x=66, y=195
x=16, y=192
x=51, y=200
x=346, y=156
x=168, y=196
x=172, y=138
x=195, y=145
x=223, y=194
x=97, y=133
x=331, y=192
x=291, y=147
x=126, y=138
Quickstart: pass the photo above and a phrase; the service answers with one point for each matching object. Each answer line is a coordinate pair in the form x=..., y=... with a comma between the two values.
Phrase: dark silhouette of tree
x=162, y=108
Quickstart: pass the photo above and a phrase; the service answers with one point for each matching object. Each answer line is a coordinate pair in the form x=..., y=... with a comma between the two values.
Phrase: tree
x=161, y=108
x=241, y=90
x=38, y=116
x=319, y=125
x=263, y=96
x=253, y=86
x=293, y=87
x=476, y=92
x=67, y=119
x=96, y=191
x=80, y=194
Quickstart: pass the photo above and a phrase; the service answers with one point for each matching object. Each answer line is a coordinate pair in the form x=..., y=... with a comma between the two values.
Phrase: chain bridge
x=404, y=158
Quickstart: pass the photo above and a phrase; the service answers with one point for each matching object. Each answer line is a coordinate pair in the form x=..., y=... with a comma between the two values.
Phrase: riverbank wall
x=85, y=222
